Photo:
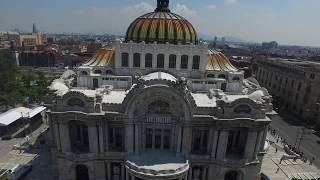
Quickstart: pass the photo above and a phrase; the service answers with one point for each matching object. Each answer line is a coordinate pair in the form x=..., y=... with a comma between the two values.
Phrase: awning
x=14, y=114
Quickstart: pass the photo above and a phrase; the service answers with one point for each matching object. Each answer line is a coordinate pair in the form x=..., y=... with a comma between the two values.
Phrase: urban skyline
x=288, y=22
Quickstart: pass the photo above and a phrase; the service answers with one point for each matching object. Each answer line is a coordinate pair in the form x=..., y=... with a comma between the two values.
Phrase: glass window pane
x=148, y=60
x=172, y=61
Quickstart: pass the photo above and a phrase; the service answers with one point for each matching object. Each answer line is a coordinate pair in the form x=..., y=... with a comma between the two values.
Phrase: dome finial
x=162, y=6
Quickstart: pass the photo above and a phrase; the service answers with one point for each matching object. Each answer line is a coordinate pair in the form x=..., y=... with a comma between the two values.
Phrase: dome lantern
x=162, y=6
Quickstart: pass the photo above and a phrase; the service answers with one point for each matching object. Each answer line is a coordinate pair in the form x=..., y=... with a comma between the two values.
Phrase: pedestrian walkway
x=287, y=169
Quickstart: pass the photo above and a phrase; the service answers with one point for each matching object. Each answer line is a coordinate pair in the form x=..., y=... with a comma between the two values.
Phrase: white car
x=19, y=171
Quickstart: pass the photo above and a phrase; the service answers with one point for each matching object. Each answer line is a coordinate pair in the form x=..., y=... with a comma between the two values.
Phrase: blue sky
x=286, y=21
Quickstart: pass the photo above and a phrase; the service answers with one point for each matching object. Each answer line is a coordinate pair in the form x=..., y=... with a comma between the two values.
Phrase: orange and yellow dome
x=161, y=26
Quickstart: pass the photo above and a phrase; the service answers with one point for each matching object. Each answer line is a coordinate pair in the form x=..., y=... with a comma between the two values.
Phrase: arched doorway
x=82, y=172
x=231, y=175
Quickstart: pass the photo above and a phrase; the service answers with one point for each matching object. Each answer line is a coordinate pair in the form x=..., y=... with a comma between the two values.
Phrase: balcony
x=161, y=119
x=157, y=164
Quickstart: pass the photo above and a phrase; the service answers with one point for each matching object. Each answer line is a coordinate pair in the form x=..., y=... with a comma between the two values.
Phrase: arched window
x=210, y=76
x=222, y=76
x=109, y=72
x=98, y=72
x=82, y=172
x=196, y=62
x=124, y=59
x=76, y=102
x=84, y=73
x=243, y=109
x=172, y=61
x=148, y=60
x=160, y=61
x=231, y=175
x=184, y=62
x=236, y=78
x=136, y=60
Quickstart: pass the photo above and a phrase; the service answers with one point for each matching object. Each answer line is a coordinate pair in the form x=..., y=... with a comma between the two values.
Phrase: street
x=289, y=128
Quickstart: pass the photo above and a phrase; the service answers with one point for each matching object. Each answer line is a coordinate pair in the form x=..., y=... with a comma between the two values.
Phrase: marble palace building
x=159, y=105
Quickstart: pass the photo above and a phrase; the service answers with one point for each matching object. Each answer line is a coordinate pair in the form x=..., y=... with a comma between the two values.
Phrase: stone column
x=190, y=173
x=127, y=175
x=101, y=137
x=190, y=62
x=65, y=137
x=130, y=60
x=129, y=138
x=106, y=128
x=109, y=170
x=143, y=61
x=204, y=173
x=186, y=143
x=166, y=61
x=179, y=129
x=249, y=150
x=257, y=144
x=137, y=143
x=154, y=60
x=93, y=143
x=178, y=62
x=222, y=145
x=57, y=135
x=122, y=172
x=186, y=176
x=214, y=142
x=263, y=141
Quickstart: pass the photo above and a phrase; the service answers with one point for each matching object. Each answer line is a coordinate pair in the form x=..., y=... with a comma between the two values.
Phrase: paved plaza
x=39, y=155
x=288, y=169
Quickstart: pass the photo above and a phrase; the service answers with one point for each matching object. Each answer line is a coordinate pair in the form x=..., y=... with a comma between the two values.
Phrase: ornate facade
x=166, y=109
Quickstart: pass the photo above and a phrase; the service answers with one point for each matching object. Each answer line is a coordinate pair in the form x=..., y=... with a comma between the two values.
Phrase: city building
x=270, y=45
x=32, y=39
x=46, y=58
x=294, y=85
x=158, y=105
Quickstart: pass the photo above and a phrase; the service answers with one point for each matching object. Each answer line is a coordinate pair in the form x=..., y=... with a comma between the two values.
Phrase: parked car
x=19, y=171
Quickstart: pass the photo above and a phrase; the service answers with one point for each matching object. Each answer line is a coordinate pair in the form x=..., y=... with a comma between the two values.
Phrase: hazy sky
x=286, y=21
